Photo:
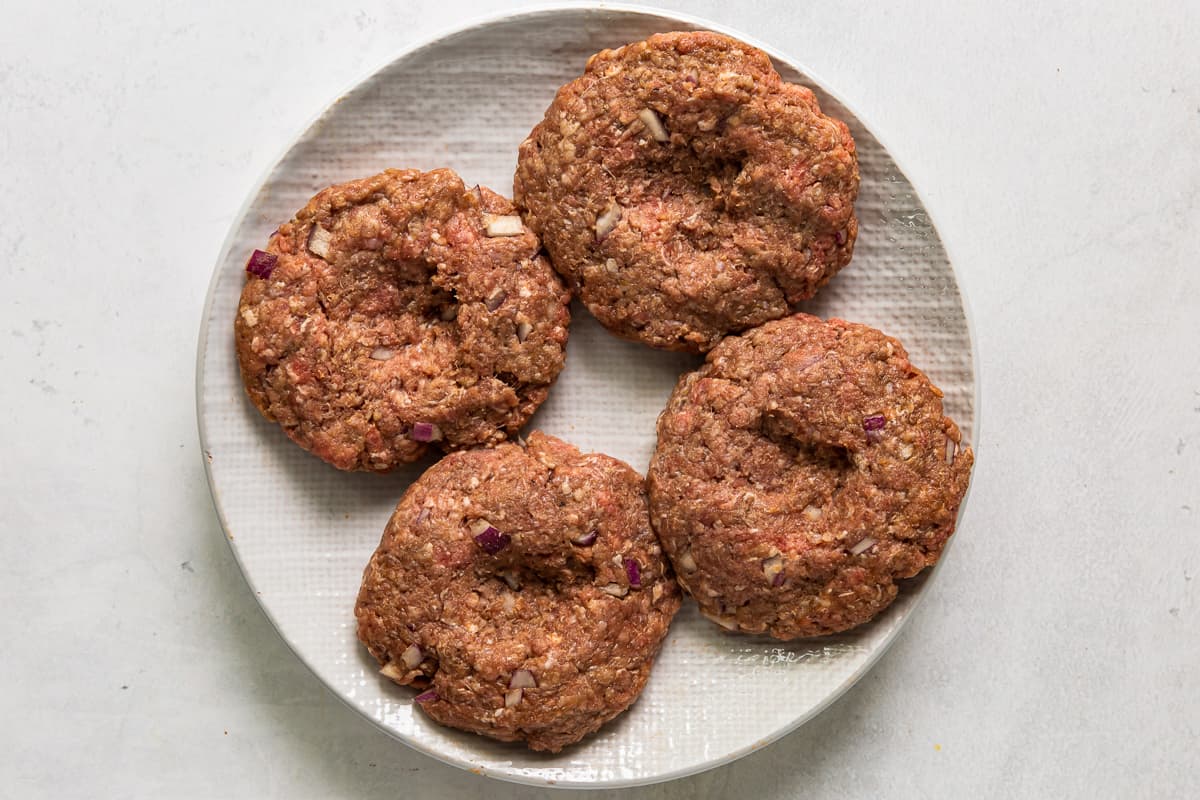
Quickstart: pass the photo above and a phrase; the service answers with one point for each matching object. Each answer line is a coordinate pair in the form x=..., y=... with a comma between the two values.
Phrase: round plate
x=302, y=531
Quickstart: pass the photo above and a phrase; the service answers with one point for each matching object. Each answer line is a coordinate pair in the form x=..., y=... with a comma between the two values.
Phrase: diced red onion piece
x=687, y=562
x=422, y=515
x=390, y=670
x=778, y=580
x=841, y=237
x=522, y=679
x=502, y=225
x=523, y=331
x=512, y=697
x=615, y=589
x=450, y=313
x=492, y=540
x=875, y=422
x=425, y=432
x=426, y=697
x=585, y=539
x=382, y=354
x=261, y=263
x=495, y=299
x=772, y=567
x=653, y=124
x=863, y=546
x=412, y=656
x=318, y=241
x=633, y=571
x=607, y=221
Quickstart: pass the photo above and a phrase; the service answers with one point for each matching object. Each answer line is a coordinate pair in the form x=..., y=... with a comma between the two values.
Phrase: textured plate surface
x=303, y=532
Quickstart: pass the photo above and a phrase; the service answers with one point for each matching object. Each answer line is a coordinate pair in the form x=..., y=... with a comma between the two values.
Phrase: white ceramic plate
x=303, y=531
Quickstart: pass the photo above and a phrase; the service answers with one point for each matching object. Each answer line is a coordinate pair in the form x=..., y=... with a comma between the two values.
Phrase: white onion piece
x=522, y=679
x=412, y=656
x=813, y=512
x=653, y=124
x=382, y=354
x=951, y=449
x=390, y=670
x=615, y=589
x=523, y=331
x=498, y=225
x=687, y=562
x=863, y=546
x=727, y=623
x=608, y=220
x=512, y=697
x=318, y=241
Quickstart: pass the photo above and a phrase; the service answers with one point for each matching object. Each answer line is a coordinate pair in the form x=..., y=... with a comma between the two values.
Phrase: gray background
x=1057, y=653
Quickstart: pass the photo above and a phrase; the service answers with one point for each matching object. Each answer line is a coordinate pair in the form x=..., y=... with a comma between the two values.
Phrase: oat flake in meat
x=521, y=591
x=686, y=191
x=800, y=473
x=397, y=312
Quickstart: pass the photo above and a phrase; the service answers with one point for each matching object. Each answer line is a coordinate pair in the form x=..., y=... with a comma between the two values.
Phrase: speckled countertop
x=1058, y=652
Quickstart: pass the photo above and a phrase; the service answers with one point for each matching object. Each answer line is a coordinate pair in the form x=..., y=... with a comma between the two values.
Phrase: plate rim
x=483, y=21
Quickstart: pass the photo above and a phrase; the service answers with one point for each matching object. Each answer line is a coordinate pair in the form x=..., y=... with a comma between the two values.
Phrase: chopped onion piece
x=951, y=450
x=607, y=221
x=653, y=124
x=522, y=679
x=727, y=623
x=479, y=526
x=778, y=581
x=656, y=593
x=633, y=571
x=412, y=656
x=495, y=299
x=422, y=515
x=382, y=354
x=906, y=451
x=841, y=237
x=875, y=422
x=863, y=546
x=390, y=670
x=772, y=567
x=523, y=331
x=687, y=562
x=426, y=697
x=498, y=225
x=425, y=432
x=513, y=697
x=261, y=263
x=318, y=241
x=813, y=512
x=585, y=539
x=615, y=589
x=490, y=539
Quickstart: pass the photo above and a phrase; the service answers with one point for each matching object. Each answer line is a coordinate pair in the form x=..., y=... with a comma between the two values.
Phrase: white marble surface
x=1059, y=651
